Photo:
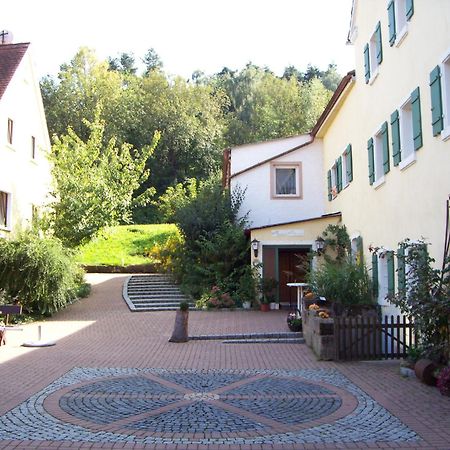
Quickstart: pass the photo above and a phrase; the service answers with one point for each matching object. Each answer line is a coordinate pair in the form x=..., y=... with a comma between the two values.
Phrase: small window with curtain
x=4, y=209
x=286, y=180
x=33, y=147
x=10, y=131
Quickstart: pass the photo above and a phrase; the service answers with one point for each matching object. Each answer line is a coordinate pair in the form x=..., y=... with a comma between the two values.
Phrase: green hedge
x=39, y=273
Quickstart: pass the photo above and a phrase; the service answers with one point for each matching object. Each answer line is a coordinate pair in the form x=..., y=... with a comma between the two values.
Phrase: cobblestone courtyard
x=113, y=381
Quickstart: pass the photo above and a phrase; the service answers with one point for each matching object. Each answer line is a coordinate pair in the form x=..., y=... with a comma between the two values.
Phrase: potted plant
x=294, y=321
x=268, y=286
x=443, y=381
x=265, y=304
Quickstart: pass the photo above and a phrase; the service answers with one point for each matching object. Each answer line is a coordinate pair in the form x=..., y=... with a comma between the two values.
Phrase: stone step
x=264, y=341
x=152, y=293
x=245, y=336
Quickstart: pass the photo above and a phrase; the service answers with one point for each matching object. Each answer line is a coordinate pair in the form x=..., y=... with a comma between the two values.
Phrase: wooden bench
x=7, y=310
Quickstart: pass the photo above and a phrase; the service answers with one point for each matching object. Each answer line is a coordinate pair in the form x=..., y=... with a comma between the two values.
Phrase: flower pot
x=274, y=305
x=265, y=307
x=424, y=369
x=246, y=305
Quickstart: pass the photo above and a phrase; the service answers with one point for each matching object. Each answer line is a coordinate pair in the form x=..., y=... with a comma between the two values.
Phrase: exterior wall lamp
x=255, y=247
x=320, y=245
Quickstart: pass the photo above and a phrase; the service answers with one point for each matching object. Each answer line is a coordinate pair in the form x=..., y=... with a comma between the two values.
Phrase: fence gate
x=359, y=338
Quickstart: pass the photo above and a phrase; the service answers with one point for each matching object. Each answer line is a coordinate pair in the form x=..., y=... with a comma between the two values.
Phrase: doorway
x=287, y=264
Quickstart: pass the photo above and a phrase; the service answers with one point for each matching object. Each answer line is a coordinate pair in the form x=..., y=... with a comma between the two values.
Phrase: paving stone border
x=187, y=398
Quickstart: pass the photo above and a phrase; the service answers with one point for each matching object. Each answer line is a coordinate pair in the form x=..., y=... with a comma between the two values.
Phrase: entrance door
x=293, y=265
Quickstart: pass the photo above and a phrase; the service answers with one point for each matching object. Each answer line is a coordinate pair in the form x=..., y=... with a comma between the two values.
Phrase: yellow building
x=389, y=131
x=384, y=140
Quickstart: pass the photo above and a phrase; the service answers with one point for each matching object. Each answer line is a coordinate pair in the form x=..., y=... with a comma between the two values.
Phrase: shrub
x=39, y=273
x=215, y=299
x=342, y=282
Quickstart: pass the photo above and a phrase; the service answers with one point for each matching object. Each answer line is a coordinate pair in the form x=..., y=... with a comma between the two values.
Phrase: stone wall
x=319, y=335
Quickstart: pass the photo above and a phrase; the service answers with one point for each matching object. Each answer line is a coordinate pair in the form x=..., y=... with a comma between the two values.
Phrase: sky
x=188, y=35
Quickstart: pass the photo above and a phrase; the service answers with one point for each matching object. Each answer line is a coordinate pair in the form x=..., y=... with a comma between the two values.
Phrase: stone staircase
x=152, y=292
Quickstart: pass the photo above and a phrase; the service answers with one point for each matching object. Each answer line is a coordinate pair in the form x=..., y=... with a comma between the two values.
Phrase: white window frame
x=8, y=211
x=345, y=181
x=408, y=153
x=445, y=89
x=298, y=179
x=401, y=21
x=378, y=158
x=373, y=62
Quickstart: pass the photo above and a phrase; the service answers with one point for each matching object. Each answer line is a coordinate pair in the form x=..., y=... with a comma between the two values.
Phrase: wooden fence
x=359, y=338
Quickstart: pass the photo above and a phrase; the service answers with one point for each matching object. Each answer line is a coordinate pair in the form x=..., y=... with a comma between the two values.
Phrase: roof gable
x=10, y=57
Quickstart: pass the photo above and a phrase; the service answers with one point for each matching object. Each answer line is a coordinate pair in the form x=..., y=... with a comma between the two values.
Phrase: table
x=299, y=287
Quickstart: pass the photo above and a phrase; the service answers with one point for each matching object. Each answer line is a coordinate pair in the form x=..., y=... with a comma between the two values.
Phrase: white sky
x=188, y=35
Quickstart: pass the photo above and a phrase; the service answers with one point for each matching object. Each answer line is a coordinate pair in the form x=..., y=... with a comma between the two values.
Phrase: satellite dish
x=6, y=37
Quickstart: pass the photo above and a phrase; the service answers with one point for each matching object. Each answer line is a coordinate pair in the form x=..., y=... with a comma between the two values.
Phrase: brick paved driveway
x=114, y=381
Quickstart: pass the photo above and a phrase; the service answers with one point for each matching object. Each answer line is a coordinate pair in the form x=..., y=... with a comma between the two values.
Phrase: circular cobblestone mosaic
x=203, y=407
x=163, y=405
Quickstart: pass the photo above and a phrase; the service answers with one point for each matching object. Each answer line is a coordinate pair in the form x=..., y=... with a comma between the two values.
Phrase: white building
x=24, y=142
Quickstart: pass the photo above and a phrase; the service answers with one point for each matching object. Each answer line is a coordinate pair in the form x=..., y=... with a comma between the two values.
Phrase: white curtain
x=285, y=182
x=3, y=208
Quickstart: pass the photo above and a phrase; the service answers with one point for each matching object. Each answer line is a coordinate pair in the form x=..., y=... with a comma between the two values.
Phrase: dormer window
x=10, y=131
x=286, y=180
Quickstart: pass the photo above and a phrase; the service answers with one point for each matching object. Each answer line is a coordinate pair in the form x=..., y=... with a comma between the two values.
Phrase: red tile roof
x=10, y=57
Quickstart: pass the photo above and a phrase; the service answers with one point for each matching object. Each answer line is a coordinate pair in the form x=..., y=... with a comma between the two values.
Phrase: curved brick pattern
x=199, y=417
x=104, y=410
x=279, y=386
x=129, y=385
x=289, y=410
x=202, y=382
x=294, y=399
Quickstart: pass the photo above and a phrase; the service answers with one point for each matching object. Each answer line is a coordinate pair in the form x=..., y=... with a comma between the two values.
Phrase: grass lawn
x=124, y=245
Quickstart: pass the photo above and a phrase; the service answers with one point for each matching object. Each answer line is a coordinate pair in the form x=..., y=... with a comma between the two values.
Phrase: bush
x=342, y=282
x=39, y=273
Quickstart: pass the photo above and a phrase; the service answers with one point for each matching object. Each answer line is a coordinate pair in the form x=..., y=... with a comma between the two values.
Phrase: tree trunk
x=180, y=330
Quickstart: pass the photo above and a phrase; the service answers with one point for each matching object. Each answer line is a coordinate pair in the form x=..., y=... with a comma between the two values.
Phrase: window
x=383, y=276
x=406, y=130
x=347, y=170
x=373, y=55
x=378, y=155
x=399, y=13
x=10, y=131
x=440, y=98
x=33, y=147
x=286, y=180
x=5, y=209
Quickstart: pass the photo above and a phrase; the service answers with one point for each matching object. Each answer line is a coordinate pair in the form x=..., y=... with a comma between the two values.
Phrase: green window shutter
x=436, y=101
x=339, y=174
x=409, y=8
x=329, y=185
x=416, y=119
x=401, y=274
x=390, y=272
x=371, y=161
x=367, y=63
x=391, y=17
x=349, y=163
x=385, y=141
x=379, y=45
x=395, y=128
x=375, y=275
